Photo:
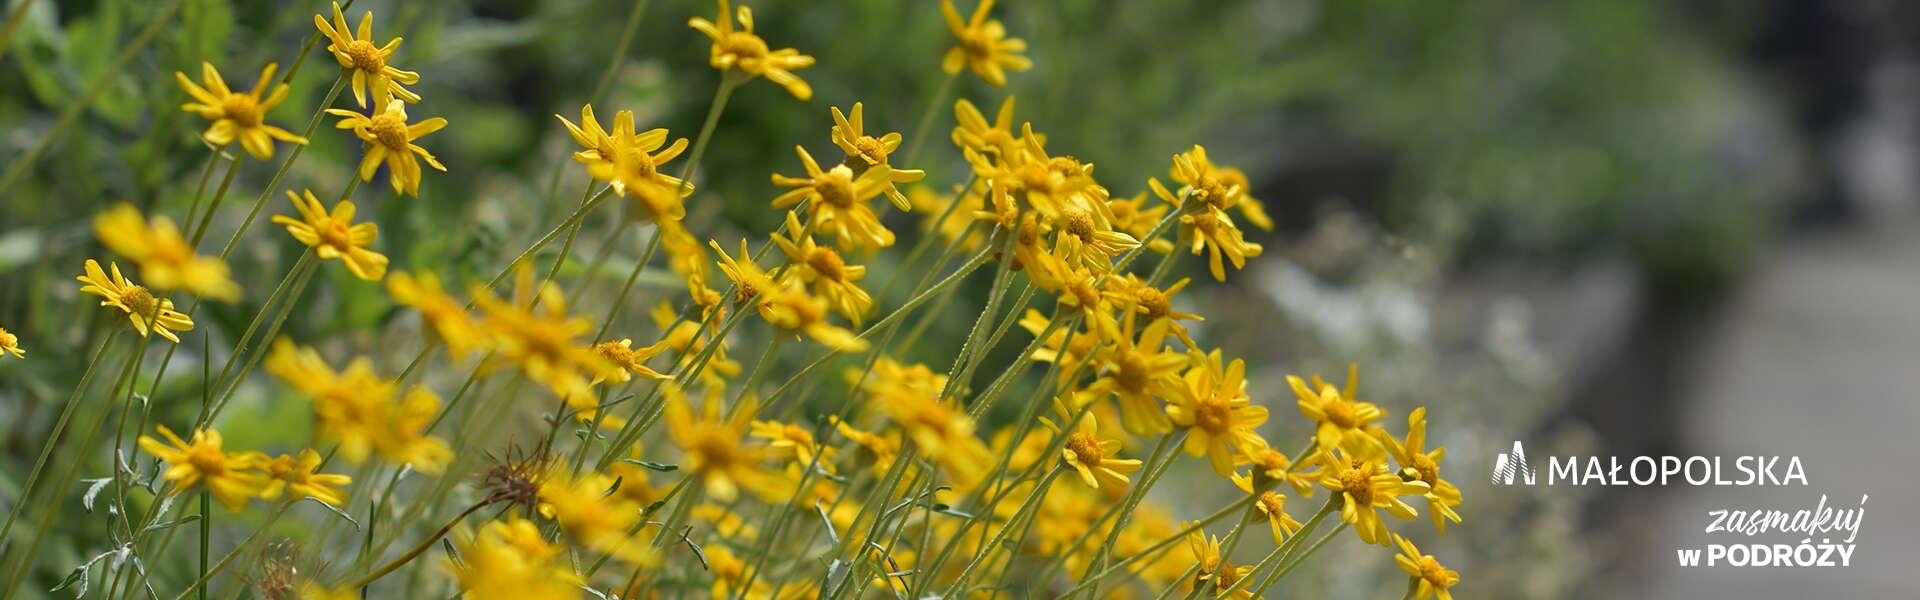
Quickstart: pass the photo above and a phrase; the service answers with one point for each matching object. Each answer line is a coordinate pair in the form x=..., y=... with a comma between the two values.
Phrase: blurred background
x=1616, y=227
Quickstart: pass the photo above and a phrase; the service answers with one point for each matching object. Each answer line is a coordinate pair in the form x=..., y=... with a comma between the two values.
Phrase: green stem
x=13, y=22
x=53, y=438
x=200, y=232
x=419, y=548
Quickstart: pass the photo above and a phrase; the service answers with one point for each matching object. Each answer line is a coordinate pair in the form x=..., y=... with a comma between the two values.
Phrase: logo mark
x=1512, y=465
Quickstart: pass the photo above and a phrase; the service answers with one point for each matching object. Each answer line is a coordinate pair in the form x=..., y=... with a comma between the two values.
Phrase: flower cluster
x=571, y=458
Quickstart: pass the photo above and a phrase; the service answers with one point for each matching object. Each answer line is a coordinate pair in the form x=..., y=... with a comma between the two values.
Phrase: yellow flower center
x=1080, y=225
x=1133, y=372
x=1272, y=503
x=615, y=353
x=391, y=130
x=836, y=186
x=208, y=460
x=1359, y=484
x=1340, y=414
x=744, y=46
x=827, y=263
x=1429, y=471
x=871, y=149
x=1213, y=414
x=1156, y=303
x=975, y=42
x=139, y=301
x=1085, y=448
x=365, y=56
x=242, y=109
x=335, y=233
x=1435, y=574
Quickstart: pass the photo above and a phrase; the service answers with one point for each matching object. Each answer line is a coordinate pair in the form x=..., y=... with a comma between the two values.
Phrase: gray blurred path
x=1818, y=356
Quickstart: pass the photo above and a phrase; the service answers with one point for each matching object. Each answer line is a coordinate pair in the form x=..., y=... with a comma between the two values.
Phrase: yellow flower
x=534, y=331
x=795, y=312
x=717, y=452
x=1342, y=420
x=739, y=50
x=512, y=560
x=142, y=307
x=1133, y=295
x=972, y=132
x=868, y=152
x=166, y=259
x=837, y=202
x=10, y=344
x=1213, y=404
x=1209, y=192
x=1417, y=463
x=232, y=478
x=1093, y=456
x=237, y=116
x=631, y=161
x=984, y=46
x=796, y=441
x=1216, y=571
x=824, y=271
x=297, y=475
x=877, y=450
x=1364, y=485
x=335, y=236
x=631, y=361
x=1272, y=507
x=389, y=139
x=447, y=316
x=1139, y=374
x=355, y=51
x=583, y=506
x=1429, y=578
x=1272, y=466
x=752, y=281
x=357, y=408
x=941, y=431
x=1136, y=218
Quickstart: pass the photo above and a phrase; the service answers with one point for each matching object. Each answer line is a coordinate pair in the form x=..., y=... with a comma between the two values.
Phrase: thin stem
x=200, y=232
x=418, y=548
x=59, y=428
x=926, y=118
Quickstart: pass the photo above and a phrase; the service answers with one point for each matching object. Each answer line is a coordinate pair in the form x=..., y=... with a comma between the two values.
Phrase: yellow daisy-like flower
x=941, y=430
x=232, y=478
x=1139, y=371
x=1217, y=572
x=297, y=476
x=739, y=50
x=583, y=507
x=448, y=317
x=10, y=344
x=355, y=51
x=630, y=161
x=972, y=132
x=1418, y=463
x=795, y=441
x=1342, y=420
x=1429, y=578
x=837, y=202
x=165, y=257
x=1092, y=456
x=359, y=409
x=1365, y=485
x=796, y=312
x=1272, y=466
x=238, y=117
x=824, y=271
x=630, y=360
x=1272, y=507
x=717, y=452
x=534, y=331
x=335, y=235
x=142, y=307
x=752, y=281
x=984, y=46
x=956, y=223
x=876, y=450
x=868, y=152
x=1213, y=404
x=389, y=139
x=512, y=560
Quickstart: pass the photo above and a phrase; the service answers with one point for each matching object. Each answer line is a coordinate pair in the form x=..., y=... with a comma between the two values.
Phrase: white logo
x=1508, y=466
